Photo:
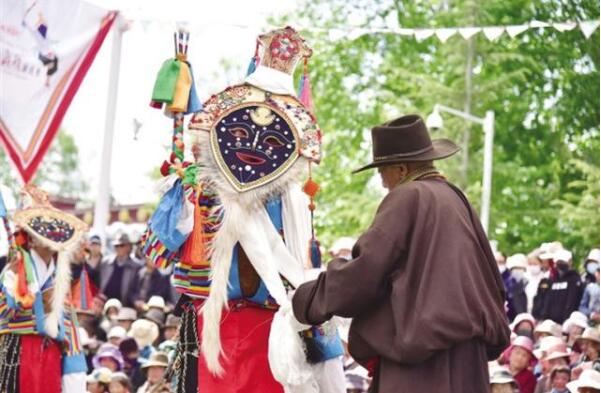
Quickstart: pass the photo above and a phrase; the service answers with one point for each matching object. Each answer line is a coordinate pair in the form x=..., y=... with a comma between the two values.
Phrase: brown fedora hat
x=406, y=139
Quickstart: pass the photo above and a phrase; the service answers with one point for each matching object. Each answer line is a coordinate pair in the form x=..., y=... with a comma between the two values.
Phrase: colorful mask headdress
x=256, y=141
x=59, y=231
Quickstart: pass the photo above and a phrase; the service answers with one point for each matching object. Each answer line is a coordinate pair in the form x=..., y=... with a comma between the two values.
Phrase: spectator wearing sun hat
x=126, y=317
x=523, y=325
x=145, y=333
x=565, y=290
x=98, y=380
x=547, y=328
x=116, y=335
x=555, y=354
x=155, y=370
x=559, y=378
x=108, y=356
x=520, y=358
x=120, y=383
x=118, y=275
x=501, y=381
x=574, y=326
x=591, y=265
x=517, y=301
x=588, y=382
x=589, y=345
x=110, y=311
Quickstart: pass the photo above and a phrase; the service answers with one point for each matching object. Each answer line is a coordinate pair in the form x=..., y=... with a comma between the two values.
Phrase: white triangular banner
x=588, y=28
x=538, y=23
x=444, y=34
x=422, y=34
x=564, y=26
x=492, y=33
x=514, y=30
x=469, y=32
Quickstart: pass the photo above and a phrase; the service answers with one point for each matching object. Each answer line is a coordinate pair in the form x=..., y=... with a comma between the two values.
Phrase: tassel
x=301, y=84
x=85, y=290
x=181, y=95
x=23, y=295
x=315, y=250
x=252, y=66
x=193, y=252
x=164, y=85
x=306, y=97
x=311, y=188
x=194, y=104
x=254, y=61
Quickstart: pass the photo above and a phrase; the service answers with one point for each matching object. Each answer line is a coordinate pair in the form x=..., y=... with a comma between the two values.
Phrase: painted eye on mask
x=239, y=133
x=273, y=141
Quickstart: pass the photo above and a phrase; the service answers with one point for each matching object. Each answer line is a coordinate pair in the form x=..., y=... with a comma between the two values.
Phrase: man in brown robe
x=423, y=287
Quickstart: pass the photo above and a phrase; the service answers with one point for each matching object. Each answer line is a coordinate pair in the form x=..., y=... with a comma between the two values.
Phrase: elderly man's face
x=392, y=175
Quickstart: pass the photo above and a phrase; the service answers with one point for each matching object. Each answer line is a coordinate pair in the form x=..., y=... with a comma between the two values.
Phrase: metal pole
x=101, y=208
x=489, y=132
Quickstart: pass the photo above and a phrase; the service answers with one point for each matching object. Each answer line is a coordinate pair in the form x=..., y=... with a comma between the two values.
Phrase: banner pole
x=102, y=205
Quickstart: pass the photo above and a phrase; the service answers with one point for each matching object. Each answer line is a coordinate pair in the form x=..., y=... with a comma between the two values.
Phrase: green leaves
x=543, y=86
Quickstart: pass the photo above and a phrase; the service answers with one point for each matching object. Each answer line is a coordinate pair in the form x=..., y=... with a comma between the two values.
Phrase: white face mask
x=534, y=270
x=517, y=274
x=502, y=268
x=592, y=267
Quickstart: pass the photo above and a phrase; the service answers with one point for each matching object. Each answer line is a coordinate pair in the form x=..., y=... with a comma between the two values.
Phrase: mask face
x=592, y=267
x=254, y=144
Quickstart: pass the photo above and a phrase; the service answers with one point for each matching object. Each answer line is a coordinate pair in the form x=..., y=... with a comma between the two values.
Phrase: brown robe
x=424, y=293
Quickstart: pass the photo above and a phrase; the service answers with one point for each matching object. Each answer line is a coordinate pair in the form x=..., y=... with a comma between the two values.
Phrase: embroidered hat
x=259, y=129
x=55, y=229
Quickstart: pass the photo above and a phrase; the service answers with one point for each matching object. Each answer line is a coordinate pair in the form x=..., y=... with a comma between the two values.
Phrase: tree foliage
x=543, y=86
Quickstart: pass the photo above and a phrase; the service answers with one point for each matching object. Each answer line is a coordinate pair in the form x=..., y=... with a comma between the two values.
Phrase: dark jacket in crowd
x=153, y=283
x=561, y=297
x=118, y=280
x=517, y=300
x=424, y=291
x=538, y=303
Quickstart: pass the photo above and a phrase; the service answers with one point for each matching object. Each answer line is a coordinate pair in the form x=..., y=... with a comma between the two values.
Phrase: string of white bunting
x=492, y=33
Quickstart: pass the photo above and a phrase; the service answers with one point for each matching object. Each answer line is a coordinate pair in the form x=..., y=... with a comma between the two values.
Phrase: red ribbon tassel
x=193, y=253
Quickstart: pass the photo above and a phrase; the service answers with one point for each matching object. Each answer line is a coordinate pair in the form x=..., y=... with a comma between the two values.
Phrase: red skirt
x=244, y=339
x=39, y=365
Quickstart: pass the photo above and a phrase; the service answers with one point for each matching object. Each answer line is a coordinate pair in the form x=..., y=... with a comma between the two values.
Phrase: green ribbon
x=164, y=86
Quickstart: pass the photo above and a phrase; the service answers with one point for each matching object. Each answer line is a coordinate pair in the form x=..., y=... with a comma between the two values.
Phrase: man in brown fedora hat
x=423, y=287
